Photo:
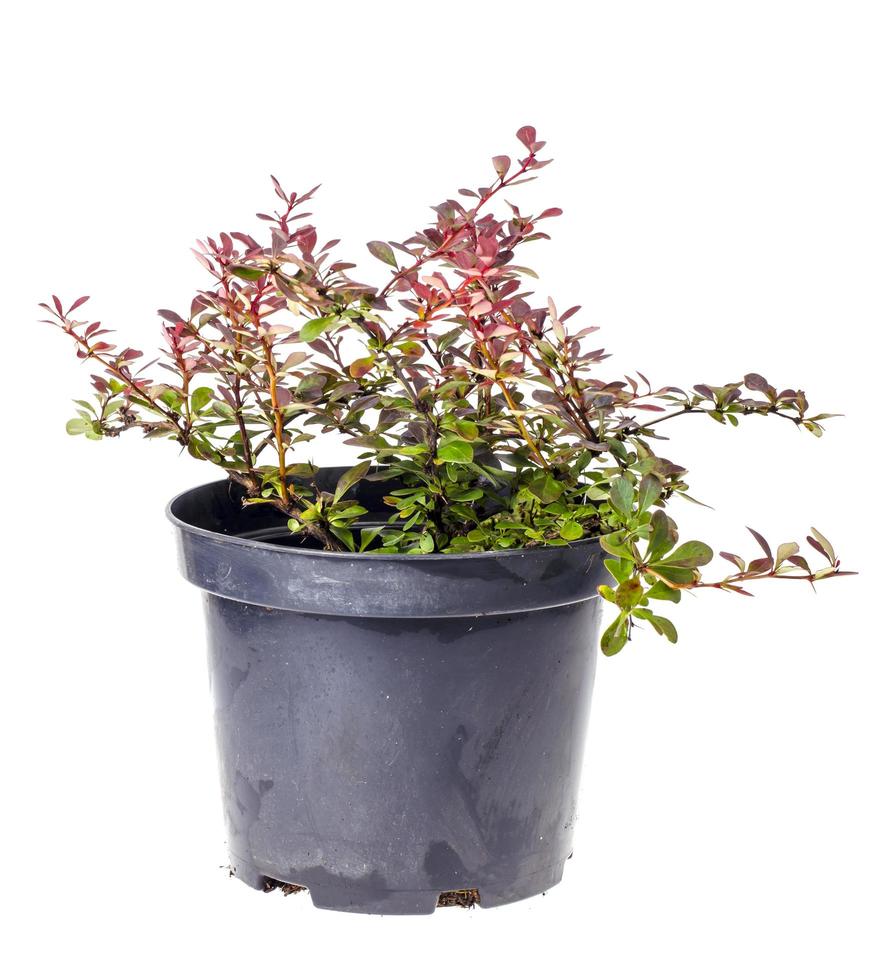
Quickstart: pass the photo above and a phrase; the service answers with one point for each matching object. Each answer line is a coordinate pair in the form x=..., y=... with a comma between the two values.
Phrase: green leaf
x=345, y=512
x=608, y=593
x=690, y=555
x=447, y=339
x=664, y=627
x=615, y=544
x=367, y=536
x=426, y=543
x=619, y=569
x=201, y=398
x=614, y=636
x=453, y=449
x=629, y=593
x=345, y=535
x=172, y=399
x=224, y=409
x=382, y=251
x=571, y=531
x=546, y=488
x=662, y=535
x=247, y=272
x=350, y=478
x=676, y=574
x=473, y=493
x=661, y=590
x=649, y=492
x=313, y=329
x=622, y=495
x=77, y=427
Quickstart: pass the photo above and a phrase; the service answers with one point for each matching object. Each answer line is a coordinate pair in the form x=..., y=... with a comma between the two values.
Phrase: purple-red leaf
x=526, y=135
x=761, y=540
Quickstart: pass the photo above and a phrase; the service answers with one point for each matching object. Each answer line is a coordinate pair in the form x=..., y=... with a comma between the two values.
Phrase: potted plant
x=402, y=648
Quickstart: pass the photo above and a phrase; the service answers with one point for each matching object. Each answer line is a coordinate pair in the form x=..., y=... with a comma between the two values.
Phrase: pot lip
x=261, y=546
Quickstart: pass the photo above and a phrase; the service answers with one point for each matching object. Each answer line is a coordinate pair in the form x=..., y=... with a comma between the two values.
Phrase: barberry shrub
x=488, y=411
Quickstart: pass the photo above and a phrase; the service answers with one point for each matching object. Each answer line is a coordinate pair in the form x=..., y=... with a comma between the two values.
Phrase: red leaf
x=278, y=189
x=526, y=135
x=813, y=543
x=761, y=540
x=76, y=303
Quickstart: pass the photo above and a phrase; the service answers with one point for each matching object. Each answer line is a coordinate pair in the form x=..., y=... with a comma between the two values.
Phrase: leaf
x=761, y=540
x=345, y=535
x=247, y=272
x=629, y=593
x=760, y=565
x=453, y=449
x=76, y=303
x=360, y=367
x=77, y=427
x=224, y=410
x=201, y=398
x=662, y=591
x=664, y=627
x=501, y=164
x=690, y=555
x=649, y=491
x=546, y=488
x=800, y=562
x=615, y=544
x=571, y=531
x=662, y=536
x=313, y=329
x=756, y=382
x=426, y=543
x=526, y=135
x=350, y=478
x=622, y=495
x=674, y=574
x=367, y=536
x=785, y=551
x=735, y=559
x=822, y=544
x=614, y=636
x=382, y=251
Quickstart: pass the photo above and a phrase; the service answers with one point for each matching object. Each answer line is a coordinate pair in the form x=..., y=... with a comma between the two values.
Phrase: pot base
x=369, y=895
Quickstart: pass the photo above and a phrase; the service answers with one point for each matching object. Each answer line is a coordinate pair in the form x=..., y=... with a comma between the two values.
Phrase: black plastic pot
x=392, y=727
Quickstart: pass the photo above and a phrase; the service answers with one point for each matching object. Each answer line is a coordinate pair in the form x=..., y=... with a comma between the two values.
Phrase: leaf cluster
x=488, y=409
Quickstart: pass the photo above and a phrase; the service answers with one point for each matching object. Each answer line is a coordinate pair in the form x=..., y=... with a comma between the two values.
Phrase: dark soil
x=464, y=898
x=286, y=888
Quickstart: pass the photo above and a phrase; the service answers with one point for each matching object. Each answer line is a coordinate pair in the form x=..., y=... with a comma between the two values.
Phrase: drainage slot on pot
x=272, y=884
x=465, y=898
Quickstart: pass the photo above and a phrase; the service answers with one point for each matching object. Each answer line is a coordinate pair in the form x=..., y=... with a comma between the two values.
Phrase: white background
x=724, y=173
